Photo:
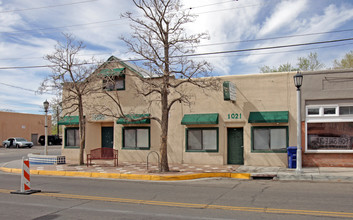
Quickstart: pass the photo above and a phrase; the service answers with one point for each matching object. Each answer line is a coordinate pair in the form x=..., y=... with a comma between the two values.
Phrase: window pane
x=194, y=140
x=329, y=111
x=330, y=136
x=77, y=137
x=142, y=138
x=346, y=110
x=119, y=83
x=261, y=139
x=278, y=138
x=129, y=138
x=313, y=111
x=209, y=139
x=72, y=137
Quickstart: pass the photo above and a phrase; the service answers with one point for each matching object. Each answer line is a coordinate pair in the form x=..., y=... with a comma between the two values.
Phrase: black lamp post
x=298, y=81
x=46, y=106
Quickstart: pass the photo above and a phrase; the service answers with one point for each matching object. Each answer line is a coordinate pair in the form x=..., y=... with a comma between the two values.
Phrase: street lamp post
x=298, y=80
x=46, y=106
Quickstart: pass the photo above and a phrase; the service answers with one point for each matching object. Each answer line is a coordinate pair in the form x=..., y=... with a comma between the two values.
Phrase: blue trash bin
x=292, y=157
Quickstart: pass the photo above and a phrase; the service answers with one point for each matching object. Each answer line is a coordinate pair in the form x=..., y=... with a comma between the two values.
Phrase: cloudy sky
x=30, y=29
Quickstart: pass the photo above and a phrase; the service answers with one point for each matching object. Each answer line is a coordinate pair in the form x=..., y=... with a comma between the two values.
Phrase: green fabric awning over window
x=111, y=72
x=198, y=119
x=134, y=117
x=69, y=120
x=269, y=117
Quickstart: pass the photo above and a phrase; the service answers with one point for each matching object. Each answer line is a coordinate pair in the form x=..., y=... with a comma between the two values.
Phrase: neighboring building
x=327, y=110
x=251, y=121
x=28, y=126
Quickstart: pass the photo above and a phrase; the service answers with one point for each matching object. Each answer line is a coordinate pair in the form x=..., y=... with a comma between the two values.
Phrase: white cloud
x=285, y=13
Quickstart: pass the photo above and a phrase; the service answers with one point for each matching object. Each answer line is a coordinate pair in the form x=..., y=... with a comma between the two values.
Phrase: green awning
x=69, y=120
x=111, y=72
x=269, y=117
x=134, y=117
x=198, y=119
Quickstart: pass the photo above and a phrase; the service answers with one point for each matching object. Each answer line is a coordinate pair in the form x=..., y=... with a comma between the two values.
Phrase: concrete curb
x=315, y=178
x=131, y=176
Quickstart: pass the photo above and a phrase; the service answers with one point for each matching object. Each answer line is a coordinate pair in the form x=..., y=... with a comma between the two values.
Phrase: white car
x=17, y=142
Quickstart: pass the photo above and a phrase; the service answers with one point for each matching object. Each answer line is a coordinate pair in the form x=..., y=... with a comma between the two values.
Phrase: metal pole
x=46, y=133
x=299, y=133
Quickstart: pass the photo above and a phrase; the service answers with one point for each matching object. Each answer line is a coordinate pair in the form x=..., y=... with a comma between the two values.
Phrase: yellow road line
x=193, y=205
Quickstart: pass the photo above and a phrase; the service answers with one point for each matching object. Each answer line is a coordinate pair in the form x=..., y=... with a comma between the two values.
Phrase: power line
x=18, y=87
x=48, y=6
x=215, y=44
x=200, y=54
x=264, y=48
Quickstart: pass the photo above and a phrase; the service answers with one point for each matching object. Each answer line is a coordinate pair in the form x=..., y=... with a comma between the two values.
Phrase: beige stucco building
x=28, y=126
x=250, y=120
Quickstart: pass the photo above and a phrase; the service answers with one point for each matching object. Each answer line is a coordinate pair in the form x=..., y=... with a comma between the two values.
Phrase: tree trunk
x=164, y=135
x=82, y=132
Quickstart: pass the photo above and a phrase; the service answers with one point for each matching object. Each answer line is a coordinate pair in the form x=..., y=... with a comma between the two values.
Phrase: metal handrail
x=157, y=159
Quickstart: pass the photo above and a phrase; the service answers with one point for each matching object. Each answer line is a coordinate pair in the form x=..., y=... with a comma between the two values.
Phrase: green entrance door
x=107, y=137
x=235, y=146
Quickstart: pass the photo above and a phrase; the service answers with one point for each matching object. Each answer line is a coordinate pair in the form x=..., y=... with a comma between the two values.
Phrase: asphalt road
x=83, y=198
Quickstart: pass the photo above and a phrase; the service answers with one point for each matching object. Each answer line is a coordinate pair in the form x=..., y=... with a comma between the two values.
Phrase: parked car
x=52, y=140
x=17, y=142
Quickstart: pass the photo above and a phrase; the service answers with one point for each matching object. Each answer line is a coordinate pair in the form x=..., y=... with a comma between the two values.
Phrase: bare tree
x=71, y=75
x=160, y=38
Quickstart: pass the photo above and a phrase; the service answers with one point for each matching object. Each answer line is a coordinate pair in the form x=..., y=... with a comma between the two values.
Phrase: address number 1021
x=234, y=116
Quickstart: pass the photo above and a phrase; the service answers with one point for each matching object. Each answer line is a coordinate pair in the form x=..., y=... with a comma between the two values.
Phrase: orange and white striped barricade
x=26, y=179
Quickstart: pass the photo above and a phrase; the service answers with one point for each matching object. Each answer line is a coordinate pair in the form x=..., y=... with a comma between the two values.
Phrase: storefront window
x=72, y=137
x=330, y=136
x=202, y=139
x=136, y=138
x=270, y=139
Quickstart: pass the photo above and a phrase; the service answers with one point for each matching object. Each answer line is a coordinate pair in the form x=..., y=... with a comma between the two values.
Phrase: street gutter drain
x=263, y=176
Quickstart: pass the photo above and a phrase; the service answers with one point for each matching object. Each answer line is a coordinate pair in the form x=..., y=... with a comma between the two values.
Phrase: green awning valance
x=69, y=120
x=269, y=117
x=111, y=72
x=198, y=119
x=134, y=117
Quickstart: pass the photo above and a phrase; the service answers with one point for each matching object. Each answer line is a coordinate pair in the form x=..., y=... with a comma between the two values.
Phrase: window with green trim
x=269, y=139
x=202, y=139
x=137, y=138
x=72, y=137
x=113, y=83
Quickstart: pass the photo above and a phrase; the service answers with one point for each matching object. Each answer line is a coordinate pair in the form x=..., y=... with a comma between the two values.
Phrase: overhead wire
x=48, y=6
x=201, y=54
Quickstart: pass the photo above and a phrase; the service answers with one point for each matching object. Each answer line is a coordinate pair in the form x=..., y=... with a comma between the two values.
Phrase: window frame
x=136, y=148
x=333, y=118
x=270, y=150
x=201, y=128
x=115, y=81
x=65, y=141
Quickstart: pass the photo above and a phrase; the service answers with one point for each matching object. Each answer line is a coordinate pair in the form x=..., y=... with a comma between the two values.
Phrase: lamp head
x=298, y=80
x=46, y=105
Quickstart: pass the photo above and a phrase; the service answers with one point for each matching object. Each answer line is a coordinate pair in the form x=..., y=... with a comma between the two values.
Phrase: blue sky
x=30, y=29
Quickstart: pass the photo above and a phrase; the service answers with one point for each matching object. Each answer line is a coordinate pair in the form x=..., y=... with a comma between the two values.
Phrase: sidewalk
x=138, y=171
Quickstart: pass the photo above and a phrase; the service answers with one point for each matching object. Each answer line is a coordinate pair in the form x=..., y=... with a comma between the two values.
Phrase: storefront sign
x=234, y=116
x=229, y=92
x=98, y=117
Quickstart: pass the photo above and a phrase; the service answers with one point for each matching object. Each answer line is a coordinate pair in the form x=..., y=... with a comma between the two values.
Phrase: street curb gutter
x=131, y=176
